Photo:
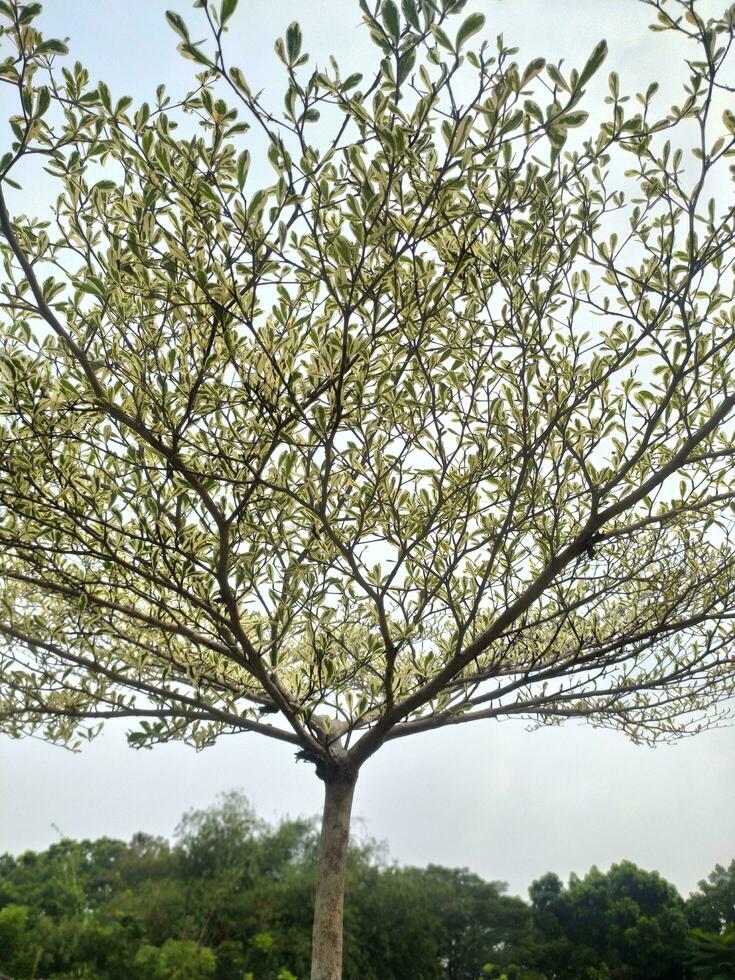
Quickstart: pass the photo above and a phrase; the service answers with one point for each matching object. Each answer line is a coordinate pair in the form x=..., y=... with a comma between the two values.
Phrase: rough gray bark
x=326, y=955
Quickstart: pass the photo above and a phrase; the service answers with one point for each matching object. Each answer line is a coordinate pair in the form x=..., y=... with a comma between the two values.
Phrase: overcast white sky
x=508, y=803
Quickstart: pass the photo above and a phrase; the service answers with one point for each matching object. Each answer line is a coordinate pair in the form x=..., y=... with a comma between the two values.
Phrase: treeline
x=231, y=898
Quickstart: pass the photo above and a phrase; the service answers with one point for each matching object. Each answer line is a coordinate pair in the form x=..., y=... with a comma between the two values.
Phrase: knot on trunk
x=333, y=762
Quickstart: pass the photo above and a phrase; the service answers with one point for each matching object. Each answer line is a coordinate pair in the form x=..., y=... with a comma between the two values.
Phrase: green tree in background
x=180, y=910
x=712, y=908
x=176, y=960
x=246, y=904
x=713, y=956
x=432, y=424
x=437, y=922
x=712, y=911
x=13, y=929
x=626, y=920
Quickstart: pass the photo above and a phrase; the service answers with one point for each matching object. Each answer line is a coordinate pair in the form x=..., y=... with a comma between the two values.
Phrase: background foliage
x=231, y=897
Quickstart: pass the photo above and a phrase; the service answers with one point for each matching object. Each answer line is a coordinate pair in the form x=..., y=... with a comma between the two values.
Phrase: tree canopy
x=430, y=424
x=407, y=436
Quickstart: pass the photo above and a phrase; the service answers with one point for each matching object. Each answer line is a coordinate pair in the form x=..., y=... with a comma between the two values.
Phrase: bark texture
x=326, y=956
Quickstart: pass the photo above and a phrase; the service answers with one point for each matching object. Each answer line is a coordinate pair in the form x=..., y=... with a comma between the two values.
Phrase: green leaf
x=472, y=24
x=461, y=134
x=391, y=19
x=243, y=165
x=257, y=203
x=192, y=51
x=532, y=70
x=557, y=78
x=573, y=119
x=405, y=65
x=557, y=136
x=239, y=79
x=351, y=81
x=227, y=10
x=729, y=120
x=44, y=101
x=512, y=122
x=593, y=63
x=293, y=41
x=142, y=115
x=105, y=97
x=178, y=24
x=442, y=38
x=28, y=12
x=52, y=47
x=411, y=13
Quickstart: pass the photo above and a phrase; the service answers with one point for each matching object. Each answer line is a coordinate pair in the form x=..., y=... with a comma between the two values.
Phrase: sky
x=509, y=803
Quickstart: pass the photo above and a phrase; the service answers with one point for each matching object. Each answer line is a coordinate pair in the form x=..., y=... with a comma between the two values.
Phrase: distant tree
x=625, y=922
x=222, y=898
x=432, y=425
x=491, y=971
x=67, y=878
x=429, y=924
x=245, y=906
x=176, y=960
x=712, y=907
x=713, y=956
x=13, y=934
x=248, y=901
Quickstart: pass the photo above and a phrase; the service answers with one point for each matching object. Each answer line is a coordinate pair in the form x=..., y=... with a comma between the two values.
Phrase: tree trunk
x=326, y=950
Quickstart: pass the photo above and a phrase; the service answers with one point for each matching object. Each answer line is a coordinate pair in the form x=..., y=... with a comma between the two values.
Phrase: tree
x=711, y=910
x=245, y=903
x=626, y=921
x=145, y=908
x=191, y=908
x=175, y=960
x=432, y=425
x=13, y=921
x=712, y=907
x=432, y=923
x=713, y=956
